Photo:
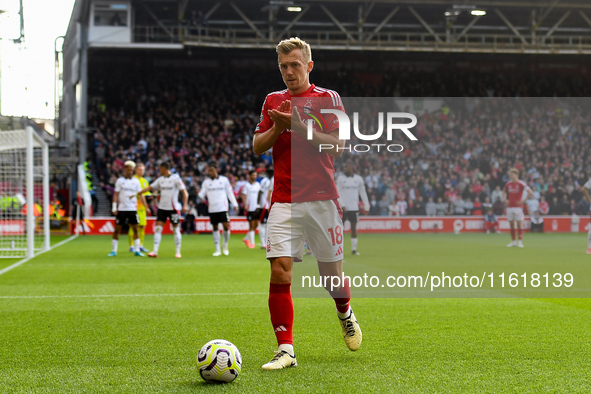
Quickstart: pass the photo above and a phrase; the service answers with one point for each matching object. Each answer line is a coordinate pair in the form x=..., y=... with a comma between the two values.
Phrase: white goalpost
x=24, y=194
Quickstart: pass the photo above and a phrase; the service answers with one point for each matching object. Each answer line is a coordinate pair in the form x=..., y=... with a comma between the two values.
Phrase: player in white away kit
x=250, y=198
x=218, y=191
x=513, y=197
x=264, y=203
x=350, y=187
x=169, y=185
x=304, y=204
x=586, y=189
x=124, y=207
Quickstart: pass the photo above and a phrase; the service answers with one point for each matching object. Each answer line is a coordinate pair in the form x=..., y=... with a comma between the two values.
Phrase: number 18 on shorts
x=316, y=222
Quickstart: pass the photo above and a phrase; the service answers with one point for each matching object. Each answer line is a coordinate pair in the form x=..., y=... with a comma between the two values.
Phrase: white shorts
x=515, y=213
x=316, y=222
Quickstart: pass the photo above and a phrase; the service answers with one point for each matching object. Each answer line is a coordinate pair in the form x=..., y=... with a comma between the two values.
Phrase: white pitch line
x=19, y=263
x=132, y=295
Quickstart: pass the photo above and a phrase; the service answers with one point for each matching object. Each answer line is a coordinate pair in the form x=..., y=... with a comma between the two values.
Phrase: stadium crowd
x=458, y=166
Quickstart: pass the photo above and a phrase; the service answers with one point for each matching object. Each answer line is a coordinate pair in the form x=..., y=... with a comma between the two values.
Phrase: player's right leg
x=115, y=239
x=589, y=241
x=284, y=241
x=282, y=313
x=215, y=233
x=157, y=237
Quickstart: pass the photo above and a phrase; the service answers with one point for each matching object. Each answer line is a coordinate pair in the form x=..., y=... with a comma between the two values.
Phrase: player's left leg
x=178, y=238
x=142, y=234
x=263, y=229
x=340, y=290
x=249, y=237
x=130, y=238
x=175, y=220
x=136, y=240
x=512, y=228
x=255, y=224
x=323, y=228
x=226, y=237
x=353, y=222
x=520, y=233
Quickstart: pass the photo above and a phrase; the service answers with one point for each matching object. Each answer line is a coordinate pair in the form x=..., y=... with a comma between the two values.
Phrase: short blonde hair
x=130, y=163
x=514, y=170
x=292, y=43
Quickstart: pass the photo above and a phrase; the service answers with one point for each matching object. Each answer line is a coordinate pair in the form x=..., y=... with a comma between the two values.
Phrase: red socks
x=281, y=308
x=342, y=297
x=513, y=233
x=520, y=233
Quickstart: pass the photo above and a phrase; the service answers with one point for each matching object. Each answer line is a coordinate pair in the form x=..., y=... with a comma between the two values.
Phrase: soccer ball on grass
x=219, y=361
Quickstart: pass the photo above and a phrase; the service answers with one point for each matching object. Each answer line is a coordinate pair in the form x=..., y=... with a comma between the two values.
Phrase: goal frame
x=28, y=140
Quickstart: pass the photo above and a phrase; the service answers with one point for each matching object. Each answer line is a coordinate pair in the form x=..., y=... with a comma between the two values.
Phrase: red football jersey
x=311, y=178
x=515, y=192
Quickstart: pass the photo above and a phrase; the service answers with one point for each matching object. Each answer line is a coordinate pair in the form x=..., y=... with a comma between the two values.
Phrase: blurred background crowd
x=458, y=166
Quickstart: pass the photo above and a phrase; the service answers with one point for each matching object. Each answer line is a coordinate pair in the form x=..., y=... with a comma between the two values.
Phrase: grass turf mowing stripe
x=130, y=295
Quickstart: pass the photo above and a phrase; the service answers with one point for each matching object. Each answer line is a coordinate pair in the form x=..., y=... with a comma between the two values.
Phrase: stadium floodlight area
x=24, y=183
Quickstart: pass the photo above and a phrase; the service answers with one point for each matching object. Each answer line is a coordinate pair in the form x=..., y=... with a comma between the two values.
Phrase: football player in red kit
x=513, y=197
x=304, y=205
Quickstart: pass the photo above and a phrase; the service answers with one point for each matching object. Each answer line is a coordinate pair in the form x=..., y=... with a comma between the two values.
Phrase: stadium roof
x=520, y=26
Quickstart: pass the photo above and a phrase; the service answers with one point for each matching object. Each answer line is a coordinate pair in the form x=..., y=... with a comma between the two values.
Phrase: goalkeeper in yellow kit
x=141, y=209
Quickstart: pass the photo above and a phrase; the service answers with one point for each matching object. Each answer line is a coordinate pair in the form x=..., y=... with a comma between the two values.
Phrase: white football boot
x=351, y=332
x=282, y=359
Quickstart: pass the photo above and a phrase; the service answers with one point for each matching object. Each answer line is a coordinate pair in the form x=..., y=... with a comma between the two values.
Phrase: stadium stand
x=190, y=118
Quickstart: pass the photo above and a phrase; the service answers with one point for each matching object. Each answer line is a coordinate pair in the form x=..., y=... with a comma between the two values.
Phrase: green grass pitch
x=74, y=321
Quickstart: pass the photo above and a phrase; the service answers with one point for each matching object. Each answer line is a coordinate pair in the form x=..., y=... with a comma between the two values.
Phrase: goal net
x=24, y=183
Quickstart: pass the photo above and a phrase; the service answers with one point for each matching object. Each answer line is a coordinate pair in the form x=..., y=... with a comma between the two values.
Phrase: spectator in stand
x=374, y=208
x=419, y=207
x=537, y=222
x=533, y=205
x=477, y=207
x=391, y=194
x=582, y=207
x=431, y=208
x=544, y=207
x=486, y=205
x=499, y=207
x=565, y=205
x=442, y=207
x=468, y=206
x=465, y=151
x=402, y=207
x=496, y=194
x=383, y=206
x=554, y=207
x=188, y=224
x=459, y=206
